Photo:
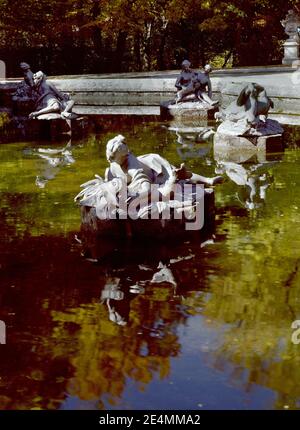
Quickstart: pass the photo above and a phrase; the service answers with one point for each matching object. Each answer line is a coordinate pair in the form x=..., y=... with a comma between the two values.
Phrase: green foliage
x=121, y=35
x=4, y=120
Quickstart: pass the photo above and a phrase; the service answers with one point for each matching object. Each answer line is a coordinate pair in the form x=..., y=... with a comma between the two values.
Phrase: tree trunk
x=146, y=46
x=120, y=50
x=161, y=51
x=137, y=52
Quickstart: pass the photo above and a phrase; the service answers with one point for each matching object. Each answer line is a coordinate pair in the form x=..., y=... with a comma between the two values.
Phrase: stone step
x=142, y=93
x=117, y=110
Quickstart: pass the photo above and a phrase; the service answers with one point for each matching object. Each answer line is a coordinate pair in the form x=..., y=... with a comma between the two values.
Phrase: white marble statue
x=248, y=115
x=136, y=175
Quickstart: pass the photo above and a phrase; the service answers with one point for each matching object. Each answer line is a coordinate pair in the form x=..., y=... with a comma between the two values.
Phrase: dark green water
x=215, y=334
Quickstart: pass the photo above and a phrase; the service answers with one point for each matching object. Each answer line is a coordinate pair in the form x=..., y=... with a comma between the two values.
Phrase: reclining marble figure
x=137, y=174
x=50, y=99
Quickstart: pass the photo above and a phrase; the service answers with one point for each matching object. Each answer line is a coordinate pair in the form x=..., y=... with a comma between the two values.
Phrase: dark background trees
x=97, y=36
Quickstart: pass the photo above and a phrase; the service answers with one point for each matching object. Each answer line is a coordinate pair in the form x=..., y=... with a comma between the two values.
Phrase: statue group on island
x=45, y=97
x=247, y=116
x=135, y=176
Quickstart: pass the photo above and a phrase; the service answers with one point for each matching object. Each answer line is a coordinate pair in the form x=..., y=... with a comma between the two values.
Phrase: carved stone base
x=141, y=228
x=239, y=149
x=188, y=112
x=20, y=128
x=52, y=126
x=291, y=52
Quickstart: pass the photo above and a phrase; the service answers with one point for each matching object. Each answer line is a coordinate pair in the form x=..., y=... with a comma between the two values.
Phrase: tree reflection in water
x=131, y=333
x=221, y=325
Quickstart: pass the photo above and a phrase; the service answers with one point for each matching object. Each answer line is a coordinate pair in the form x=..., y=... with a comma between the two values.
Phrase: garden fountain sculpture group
x=244, y=122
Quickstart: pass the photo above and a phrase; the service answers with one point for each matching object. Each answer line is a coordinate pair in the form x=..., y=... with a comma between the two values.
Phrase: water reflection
x=252, y=179
x=193, y=142
x=106, y=325
x=117, y=292
x=53, y=160
x=132, y=333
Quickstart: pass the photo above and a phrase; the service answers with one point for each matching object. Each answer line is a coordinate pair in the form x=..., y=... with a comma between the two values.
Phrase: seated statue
x=185, y=81
x=248, y=115
x=136, y=175
x=200, y=87
x=25, y=90
x=50, y=99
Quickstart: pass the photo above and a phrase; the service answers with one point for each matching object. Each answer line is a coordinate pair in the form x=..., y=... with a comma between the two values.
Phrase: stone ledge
x=239, y=149
x=102, y=92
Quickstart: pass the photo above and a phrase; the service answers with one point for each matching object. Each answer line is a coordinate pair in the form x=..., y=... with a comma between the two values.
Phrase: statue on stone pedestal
x=193, y=98
x=49, y=99
x=291, y=25
x=248, y=115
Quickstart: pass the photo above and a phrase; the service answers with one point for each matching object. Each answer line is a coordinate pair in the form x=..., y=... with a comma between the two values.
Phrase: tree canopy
x=95, y=36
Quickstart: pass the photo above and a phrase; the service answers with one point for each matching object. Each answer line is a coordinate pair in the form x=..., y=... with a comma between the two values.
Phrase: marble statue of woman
x=136, y=175
x=140, y=172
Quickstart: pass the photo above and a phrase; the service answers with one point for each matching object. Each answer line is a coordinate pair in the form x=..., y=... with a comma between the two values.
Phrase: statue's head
x=117, y=150
x=24, y=66
x=185, y=65
x=38, y=78
x=207, y=68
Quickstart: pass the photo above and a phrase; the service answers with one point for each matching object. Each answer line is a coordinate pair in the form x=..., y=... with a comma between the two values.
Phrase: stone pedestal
x=188, y=112
x=240, y=149
x=291, y=51
x=2, y=70
x=160, y=229
x=53, y=126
